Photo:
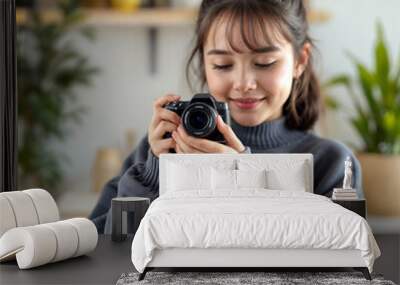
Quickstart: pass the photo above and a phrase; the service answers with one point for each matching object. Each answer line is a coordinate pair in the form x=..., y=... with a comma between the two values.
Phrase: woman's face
x=254, y=84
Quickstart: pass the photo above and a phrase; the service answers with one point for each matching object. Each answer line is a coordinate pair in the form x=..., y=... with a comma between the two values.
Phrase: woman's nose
x=245, y=83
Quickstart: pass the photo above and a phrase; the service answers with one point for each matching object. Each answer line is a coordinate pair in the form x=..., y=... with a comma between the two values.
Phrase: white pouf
x=31, y=232
x=40, y=244
x=7, y=220
x=46, y=207
x=23, y=208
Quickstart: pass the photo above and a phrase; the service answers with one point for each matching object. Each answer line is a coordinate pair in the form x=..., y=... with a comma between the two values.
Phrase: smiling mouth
x=247, y=103
x=247, y=100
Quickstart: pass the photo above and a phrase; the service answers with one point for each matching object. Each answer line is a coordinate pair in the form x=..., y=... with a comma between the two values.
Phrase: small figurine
x=348, y=173
x=347, y=192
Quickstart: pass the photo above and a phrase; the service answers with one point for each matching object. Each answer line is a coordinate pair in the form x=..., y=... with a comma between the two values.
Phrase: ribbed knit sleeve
x=141, y=178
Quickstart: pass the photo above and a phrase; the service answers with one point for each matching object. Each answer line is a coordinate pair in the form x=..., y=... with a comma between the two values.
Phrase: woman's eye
x=262, y=65
x=222, y=66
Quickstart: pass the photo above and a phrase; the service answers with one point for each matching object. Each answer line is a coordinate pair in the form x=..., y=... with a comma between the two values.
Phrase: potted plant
x=49, y=68
x=375, y=95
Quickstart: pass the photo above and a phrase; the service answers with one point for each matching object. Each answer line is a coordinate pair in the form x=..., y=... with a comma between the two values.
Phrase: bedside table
x=122, y=208
x=358, y=206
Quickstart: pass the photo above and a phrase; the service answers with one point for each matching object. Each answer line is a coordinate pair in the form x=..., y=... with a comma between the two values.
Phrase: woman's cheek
x=218, y=86
x=280, y=83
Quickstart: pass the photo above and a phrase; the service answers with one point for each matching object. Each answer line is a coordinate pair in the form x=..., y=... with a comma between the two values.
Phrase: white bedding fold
x=250, y=218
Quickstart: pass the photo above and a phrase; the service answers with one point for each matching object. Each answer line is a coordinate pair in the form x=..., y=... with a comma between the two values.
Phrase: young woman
x=255, y=55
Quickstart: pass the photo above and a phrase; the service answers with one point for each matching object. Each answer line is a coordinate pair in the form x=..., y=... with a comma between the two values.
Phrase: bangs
x=259, y=26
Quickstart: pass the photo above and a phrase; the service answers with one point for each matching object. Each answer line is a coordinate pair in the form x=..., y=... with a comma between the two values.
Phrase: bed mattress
x=250, y=219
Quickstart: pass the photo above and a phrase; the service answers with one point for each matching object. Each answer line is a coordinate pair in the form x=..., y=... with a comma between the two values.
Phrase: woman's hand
x=189, y=144
x=163, y=121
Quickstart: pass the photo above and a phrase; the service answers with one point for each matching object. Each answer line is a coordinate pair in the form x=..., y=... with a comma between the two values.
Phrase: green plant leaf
x=331, y=102
x=340, y=79
x=382, y=65
x=397, y=81
x=361, y=125
x=88, y=33
x=389, y=124
x=367, y=82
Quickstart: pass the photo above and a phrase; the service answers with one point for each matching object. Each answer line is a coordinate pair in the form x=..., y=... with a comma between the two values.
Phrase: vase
x=381, y=183
x=125, y=5
x=107, y=164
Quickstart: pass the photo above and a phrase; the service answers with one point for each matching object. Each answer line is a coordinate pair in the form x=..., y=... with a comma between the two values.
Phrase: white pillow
x=235, y=179
x=183, y=177
x=223, y=179
x=293, y=179
x=281, y=174
x=251, y=178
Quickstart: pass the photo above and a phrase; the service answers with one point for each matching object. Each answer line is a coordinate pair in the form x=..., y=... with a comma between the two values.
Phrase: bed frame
x=260, y=259
x=245, y=259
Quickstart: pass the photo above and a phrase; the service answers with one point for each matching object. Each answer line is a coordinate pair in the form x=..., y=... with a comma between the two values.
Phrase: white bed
x=202, y=220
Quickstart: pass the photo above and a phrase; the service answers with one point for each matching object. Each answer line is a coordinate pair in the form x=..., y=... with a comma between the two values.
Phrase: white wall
x=123, y=93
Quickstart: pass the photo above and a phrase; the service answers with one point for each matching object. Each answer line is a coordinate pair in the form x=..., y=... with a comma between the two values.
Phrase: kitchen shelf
x=144, y=17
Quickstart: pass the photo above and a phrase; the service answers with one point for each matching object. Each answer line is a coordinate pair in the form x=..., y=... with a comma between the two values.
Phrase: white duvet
x=252, y=218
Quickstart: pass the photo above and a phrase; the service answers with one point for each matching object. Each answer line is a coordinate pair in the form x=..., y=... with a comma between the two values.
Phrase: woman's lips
x=247, y=104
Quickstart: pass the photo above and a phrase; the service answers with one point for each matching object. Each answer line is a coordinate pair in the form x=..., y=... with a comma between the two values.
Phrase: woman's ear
x=302, y=60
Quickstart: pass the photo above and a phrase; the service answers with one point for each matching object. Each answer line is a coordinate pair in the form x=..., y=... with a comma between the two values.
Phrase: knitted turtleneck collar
x=271, y=134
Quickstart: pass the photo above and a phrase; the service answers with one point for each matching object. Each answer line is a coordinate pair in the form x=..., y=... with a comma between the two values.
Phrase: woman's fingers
x=196, y=145
x=160, y=113
x=160, y=102
x=162, y=128
x=183, y=146
x=162, y=121
x=231, y=139
x=163, y=146
x=169, y=115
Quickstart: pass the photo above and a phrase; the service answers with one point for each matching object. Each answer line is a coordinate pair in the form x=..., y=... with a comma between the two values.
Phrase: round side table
x=126, y=209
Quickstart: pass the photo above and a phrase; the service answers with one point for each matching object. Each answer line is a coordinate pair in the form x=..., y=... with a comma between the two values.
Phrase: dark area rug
x=229, y=278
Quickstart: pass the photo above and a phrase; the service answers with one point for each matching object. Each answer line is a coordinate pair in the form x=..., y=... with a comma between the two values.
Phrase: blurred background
x=89, y=70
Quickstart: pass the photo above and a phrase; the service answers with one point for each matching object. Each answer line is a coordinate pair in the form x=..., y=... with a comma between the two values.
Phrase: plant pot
x=381, y=183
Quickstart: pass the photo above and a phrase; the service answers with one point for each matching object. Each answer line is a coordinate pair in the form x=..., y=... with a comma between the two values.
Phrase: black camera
x=199, y=116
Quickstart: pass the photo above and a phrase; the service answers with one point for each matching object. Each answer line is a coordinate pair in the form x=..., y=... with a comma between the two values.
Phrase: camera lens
x=198, y=119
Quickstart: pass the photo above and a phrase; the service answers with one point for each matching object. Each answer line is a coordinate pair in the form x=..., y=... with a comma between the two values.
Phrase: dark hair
x=288, y=19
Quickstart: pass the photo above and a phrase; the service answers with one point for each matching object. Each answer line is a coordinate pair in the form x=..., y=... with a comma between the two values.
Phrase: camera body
x=199, y=116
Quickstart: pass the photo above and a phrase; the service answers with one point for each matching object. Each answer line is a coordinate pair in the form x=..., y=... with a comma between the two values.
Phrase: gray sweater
x=139, y=174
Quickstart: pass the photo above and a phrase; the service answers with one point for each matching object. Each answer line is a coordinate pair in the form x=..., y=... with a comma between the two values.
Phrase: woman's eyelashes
x=222, y=66
x=264, y=65
x=229, y=66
